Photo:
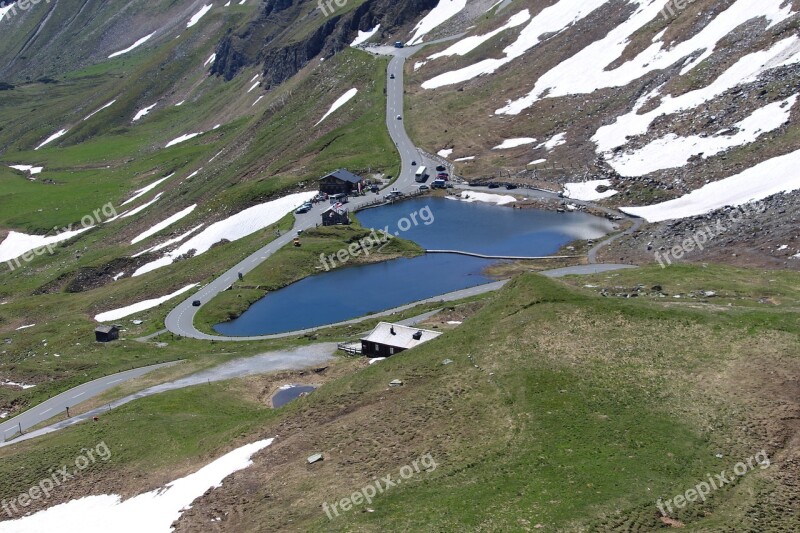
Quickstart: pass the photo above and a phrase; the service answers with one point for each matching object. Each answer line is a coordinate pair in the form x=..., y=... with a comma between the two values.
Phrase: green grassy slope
x=261, y=151
x=561, y=408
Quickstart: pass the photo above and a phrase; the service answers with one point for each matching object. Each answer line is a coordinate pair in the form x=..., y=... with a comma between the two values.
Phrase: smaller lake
x=292, y=392
x=350, y=292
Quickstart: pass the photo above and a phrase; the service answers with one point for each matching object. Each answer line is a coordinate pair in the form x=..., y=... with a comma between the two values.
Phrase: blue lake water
x=345, y=293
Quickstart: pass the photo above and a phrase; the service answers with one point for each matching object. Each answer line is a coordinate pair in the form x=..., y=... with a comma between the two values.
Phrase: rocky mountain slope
x=655, y=101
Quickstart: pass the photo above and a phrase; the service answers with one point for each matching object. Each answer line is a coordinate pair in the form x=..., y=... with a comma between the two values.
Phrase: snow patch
x=468, y=158
x=122, y=312
x=467, y=45
x=197, y=16
x=169, y=242
x=672, y=151
x=136, y=211
x=164, y=224
x=5, y=9
x=778, y=175
x=52, y=138
x=748, y=69
x=15, y=384
x=445, y=152
x=143, y=112
x=30, y=169
x=232, y=228
x=444, y=10
x=144, y=190
x=513, y=143
x=339, y=103
x=554, y=141
x=498, y=199
x=551, y=20
x=587, y=71
x=183, y=138
x=16, y=244
x=153, y=511
x=135, y=45
x=93, y=113
x=364, y=36
x=587, y=190
x=210, y=59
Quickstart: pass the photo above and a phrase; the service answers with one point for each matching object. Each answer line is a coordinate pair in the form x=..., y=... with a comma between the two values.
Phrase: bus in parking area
x=422, y=174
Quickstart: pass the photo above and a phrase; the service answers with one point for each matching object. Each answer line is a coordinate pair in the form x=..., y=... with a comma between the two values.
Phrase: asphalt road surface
x=295, y=359
x=58, y=404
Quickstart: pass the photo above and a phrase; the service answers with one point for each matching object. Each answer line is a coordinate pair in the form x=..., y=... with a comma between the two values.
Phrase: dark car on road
x=440, y=168
x=196, y=303
x=423, y=188
x=493, y=186
x=413, y=163
x=391, y=77
x=305, y=208
x=510, y=186
x=443, y=176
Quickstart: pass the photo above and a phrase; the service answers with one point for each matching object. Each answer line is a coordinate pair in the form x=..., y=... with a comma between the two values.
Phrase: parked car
x=398, y=44
x=375, y=189
x=494, y=186
x=510, y=186
x=443, y=176
x=438, y=184
x=305, y=208
x=423, y=188
x=440, y=168
x=196, y=303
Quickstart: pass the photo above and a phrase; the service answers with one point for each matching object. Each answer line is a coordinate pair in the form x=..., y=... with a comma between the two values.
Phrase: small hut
x=106, y=333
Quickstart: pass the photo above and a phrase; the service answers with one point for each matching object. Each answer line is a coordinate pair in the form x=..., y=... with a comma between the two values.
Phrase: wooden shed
x=106, y=333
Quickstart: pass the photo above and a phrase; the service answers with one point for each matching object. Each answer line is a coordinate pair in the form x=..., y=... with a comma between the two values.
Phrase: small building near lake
x=106, y=333
x=335, y=217
x=340, y=181
x=388, y=339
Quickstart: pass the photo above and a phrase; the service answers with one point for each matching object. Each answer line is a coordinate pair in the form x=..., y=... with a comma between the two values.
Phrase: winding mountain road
x=180, y=320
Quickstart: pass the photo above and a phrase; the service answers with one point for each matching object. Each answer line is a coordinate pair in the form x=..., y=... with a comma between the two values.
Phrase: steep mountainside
x=662, y=101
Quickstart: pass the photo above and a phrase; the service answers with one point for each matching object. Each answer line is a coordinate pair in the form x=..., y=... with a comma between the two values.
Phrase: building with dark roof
x=106, y=333
x=340, y=181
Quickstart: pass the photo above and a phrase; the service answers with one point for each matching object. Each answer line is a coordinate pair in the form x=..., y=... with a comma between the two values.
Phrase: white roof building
x=388, y=339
